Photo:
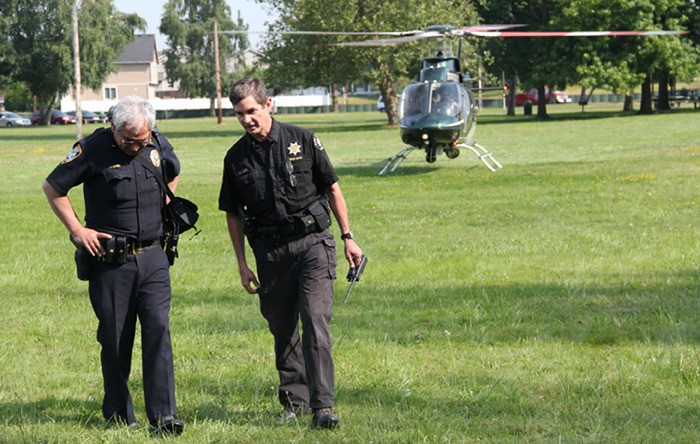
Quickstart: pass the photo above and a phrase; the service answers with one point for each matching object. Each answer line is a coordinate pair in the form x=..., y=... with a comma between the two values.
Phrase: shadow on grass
x=569, y=116
x=34, y=137
x=663, y=309
x=372, y=170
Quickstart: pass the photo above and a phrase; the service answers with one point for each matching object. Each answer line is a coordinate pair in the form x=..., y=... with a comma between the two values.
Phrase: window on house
x=110, y=92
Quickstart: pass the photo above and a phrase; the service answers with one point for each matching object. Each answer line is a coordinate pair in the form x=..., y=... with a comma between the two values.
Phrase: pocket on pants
x=329, y=246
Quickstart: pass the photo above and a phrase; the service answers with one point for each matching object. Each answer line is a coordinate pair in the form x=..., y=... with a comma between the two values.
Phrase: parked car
x=532, y=96
x=380, y=104
x=12, y=119
x=89, y=117
x=57, y=117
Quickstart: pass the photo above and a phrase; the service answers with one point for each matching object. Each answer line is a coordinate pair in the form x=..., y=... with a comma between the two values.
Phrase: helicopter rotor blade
x=394, y=41
x=572, y=33
x=488, y=30
x=483, y=28
x=388, y=33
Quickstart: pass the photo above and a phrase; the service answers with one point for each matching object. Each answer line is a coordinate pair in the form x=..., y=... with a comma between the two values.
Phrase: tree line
x=37, y=58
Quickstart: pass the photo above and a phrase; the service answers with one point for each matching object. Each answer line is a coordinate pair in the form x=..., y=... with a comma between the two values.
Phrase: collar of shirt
x=272, y=136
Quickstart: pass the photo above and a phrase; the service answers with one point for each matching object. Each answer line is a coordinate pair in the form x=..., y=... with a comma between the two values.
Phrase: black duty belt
x=117, y=248
x=299, y=227
x=136, y=247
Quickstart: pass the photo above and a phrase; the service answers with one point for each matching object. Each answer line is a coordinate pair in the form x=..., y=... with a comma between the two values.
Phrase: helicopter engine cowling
x=430, y=130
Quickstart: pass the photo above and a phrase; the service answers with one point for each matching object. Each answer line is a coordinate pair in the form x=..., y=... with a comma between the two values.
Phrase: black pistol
x=354, y=275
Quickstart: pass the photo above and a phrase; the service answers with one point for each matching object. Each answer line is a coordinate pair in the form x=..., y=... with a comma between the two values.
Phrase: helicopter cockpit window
x=447, y=99
x=415, y=99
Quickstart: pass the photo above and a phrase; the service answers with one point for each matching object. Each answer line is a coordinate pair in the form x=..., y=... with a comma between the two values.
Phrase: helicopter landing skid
x=397, y=159
x=483, y=155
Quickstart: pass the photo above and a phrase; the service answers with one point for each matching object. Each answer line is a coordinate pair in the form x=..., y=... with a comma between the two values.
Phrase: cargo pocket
x=329, y=246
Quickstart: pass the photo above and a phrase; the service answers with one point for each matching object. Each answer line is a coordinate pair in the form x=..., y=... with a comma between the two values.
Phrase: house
x=137, y=74
x=249, y=59
x=165, y=90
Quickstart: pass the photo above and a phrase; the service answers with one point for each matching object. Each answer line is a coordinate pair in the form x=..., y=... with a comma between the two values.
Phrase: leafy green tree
x=621, y=64
x=189, y=29
x=382, y=66
x=308, y=60
x=535, y=62
x=18, y=97
x=617, y=63
x=40, y=43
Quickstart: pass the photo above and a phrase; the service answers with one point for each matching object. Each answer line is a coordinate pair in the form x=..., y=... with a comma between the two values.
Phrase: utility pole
x=76, y=66
x=218, y=73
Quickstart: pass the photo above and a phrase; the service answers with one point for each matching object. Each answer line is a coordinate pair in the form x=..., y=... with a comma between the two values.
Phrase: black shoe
x=325, y=418
x=117, y=420
x=291, y=412
x=168, y=425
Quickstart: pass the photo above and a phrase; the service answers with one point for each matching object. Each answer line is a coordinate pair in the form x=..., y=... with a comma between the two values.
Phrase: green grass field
x=555, y=300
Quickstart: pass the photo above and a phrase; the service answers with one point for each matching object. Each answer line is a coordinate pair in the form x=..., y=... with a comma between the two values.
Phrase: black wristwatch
x=347, y=235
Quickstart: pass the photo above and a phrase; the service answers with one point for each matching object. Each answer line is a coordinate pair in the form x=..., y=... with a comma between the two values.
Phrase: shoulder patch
x=317, y=143
x=74, y=153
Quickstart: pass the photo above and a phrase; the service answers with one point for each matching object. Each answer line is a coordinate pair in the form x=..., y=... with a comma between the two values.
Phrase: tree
x=188, y=26
x=39, y=41
x=382, y=66
x=536, y=62
x=623, y=63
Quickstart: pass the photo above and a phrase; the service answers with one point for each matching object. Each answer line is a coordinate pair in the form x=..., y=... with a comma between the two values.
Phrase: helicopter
x=437, y=114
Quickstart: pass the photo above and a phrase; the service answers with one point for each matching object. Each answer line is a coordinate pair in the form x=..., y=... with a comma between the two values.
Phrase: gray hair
x=250, y=86
x=131, y=112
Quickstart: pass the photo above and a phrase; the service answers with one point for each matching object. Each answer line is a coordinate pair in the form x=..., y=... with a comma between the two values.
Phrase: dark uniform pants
x=120, y=293
x=296, y=281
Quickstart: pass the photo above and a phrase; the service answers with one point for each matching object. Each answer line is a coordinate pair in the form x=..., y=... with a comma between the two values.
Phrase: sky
x=253, y=14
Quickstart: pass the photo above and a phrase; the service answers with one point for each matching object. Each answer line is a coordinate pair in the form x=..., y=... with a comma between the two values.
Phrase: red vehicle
x=532, y=96
x=57, y=117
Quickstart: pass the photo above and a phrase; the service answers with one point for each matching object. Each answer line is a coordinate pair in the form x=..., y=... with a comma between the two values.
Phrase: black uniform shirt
x=122, y=197
x=274, y=180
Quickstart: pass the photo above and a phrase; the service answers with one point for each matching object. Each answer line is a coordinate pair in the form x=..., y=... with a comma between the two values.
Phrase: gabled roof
x=141, y=50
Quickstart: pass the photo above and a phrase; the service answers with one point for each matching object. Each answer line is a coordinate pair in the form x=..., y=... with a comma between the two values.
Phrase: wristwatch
x=347, y=235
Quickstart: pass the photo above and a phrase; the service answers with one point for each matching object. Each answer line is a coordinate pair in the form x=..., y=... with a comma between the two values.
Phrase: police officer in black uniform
x=277, y=185
x=129, y=272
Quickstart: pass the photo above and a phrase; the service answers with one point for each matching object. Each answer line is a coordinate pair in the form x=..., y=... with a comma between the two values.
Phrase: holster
x=83, y=260
x=169, y=242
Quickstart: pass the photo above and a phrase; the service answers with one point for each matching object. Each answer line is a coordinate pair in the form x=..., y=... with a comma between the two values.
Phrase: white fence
x=68, y=104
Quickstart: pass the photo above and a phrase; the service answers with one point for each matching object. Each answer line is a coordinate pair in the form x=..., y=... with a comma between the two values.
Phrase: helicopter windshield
x=446, y=99
x=415, y=99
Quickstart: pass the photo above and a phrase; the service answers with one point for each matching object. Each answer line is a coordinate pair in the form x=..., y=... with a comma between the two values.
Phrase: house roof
x=140, y=50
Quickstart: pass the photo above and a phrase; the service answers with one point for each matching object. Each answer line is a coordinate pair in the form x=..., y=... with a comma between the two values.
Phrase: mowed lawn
x=554, y=300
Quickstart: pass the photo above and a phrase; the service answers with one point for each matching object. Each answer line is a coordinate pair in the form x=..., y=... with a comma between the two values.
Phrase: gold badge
x=294, y=149
x=74, y=153
x=155, y=158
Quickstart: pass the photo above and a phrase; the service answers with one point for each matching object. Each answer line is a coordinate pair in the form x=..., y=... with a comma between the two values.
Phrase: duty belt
x=136, y=247
x=117, y=248
x=299, y=227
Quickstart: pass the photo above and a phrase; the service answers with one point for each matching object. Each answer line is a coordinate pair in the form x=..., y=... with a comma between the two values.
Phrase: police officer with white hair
x=128, y=274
